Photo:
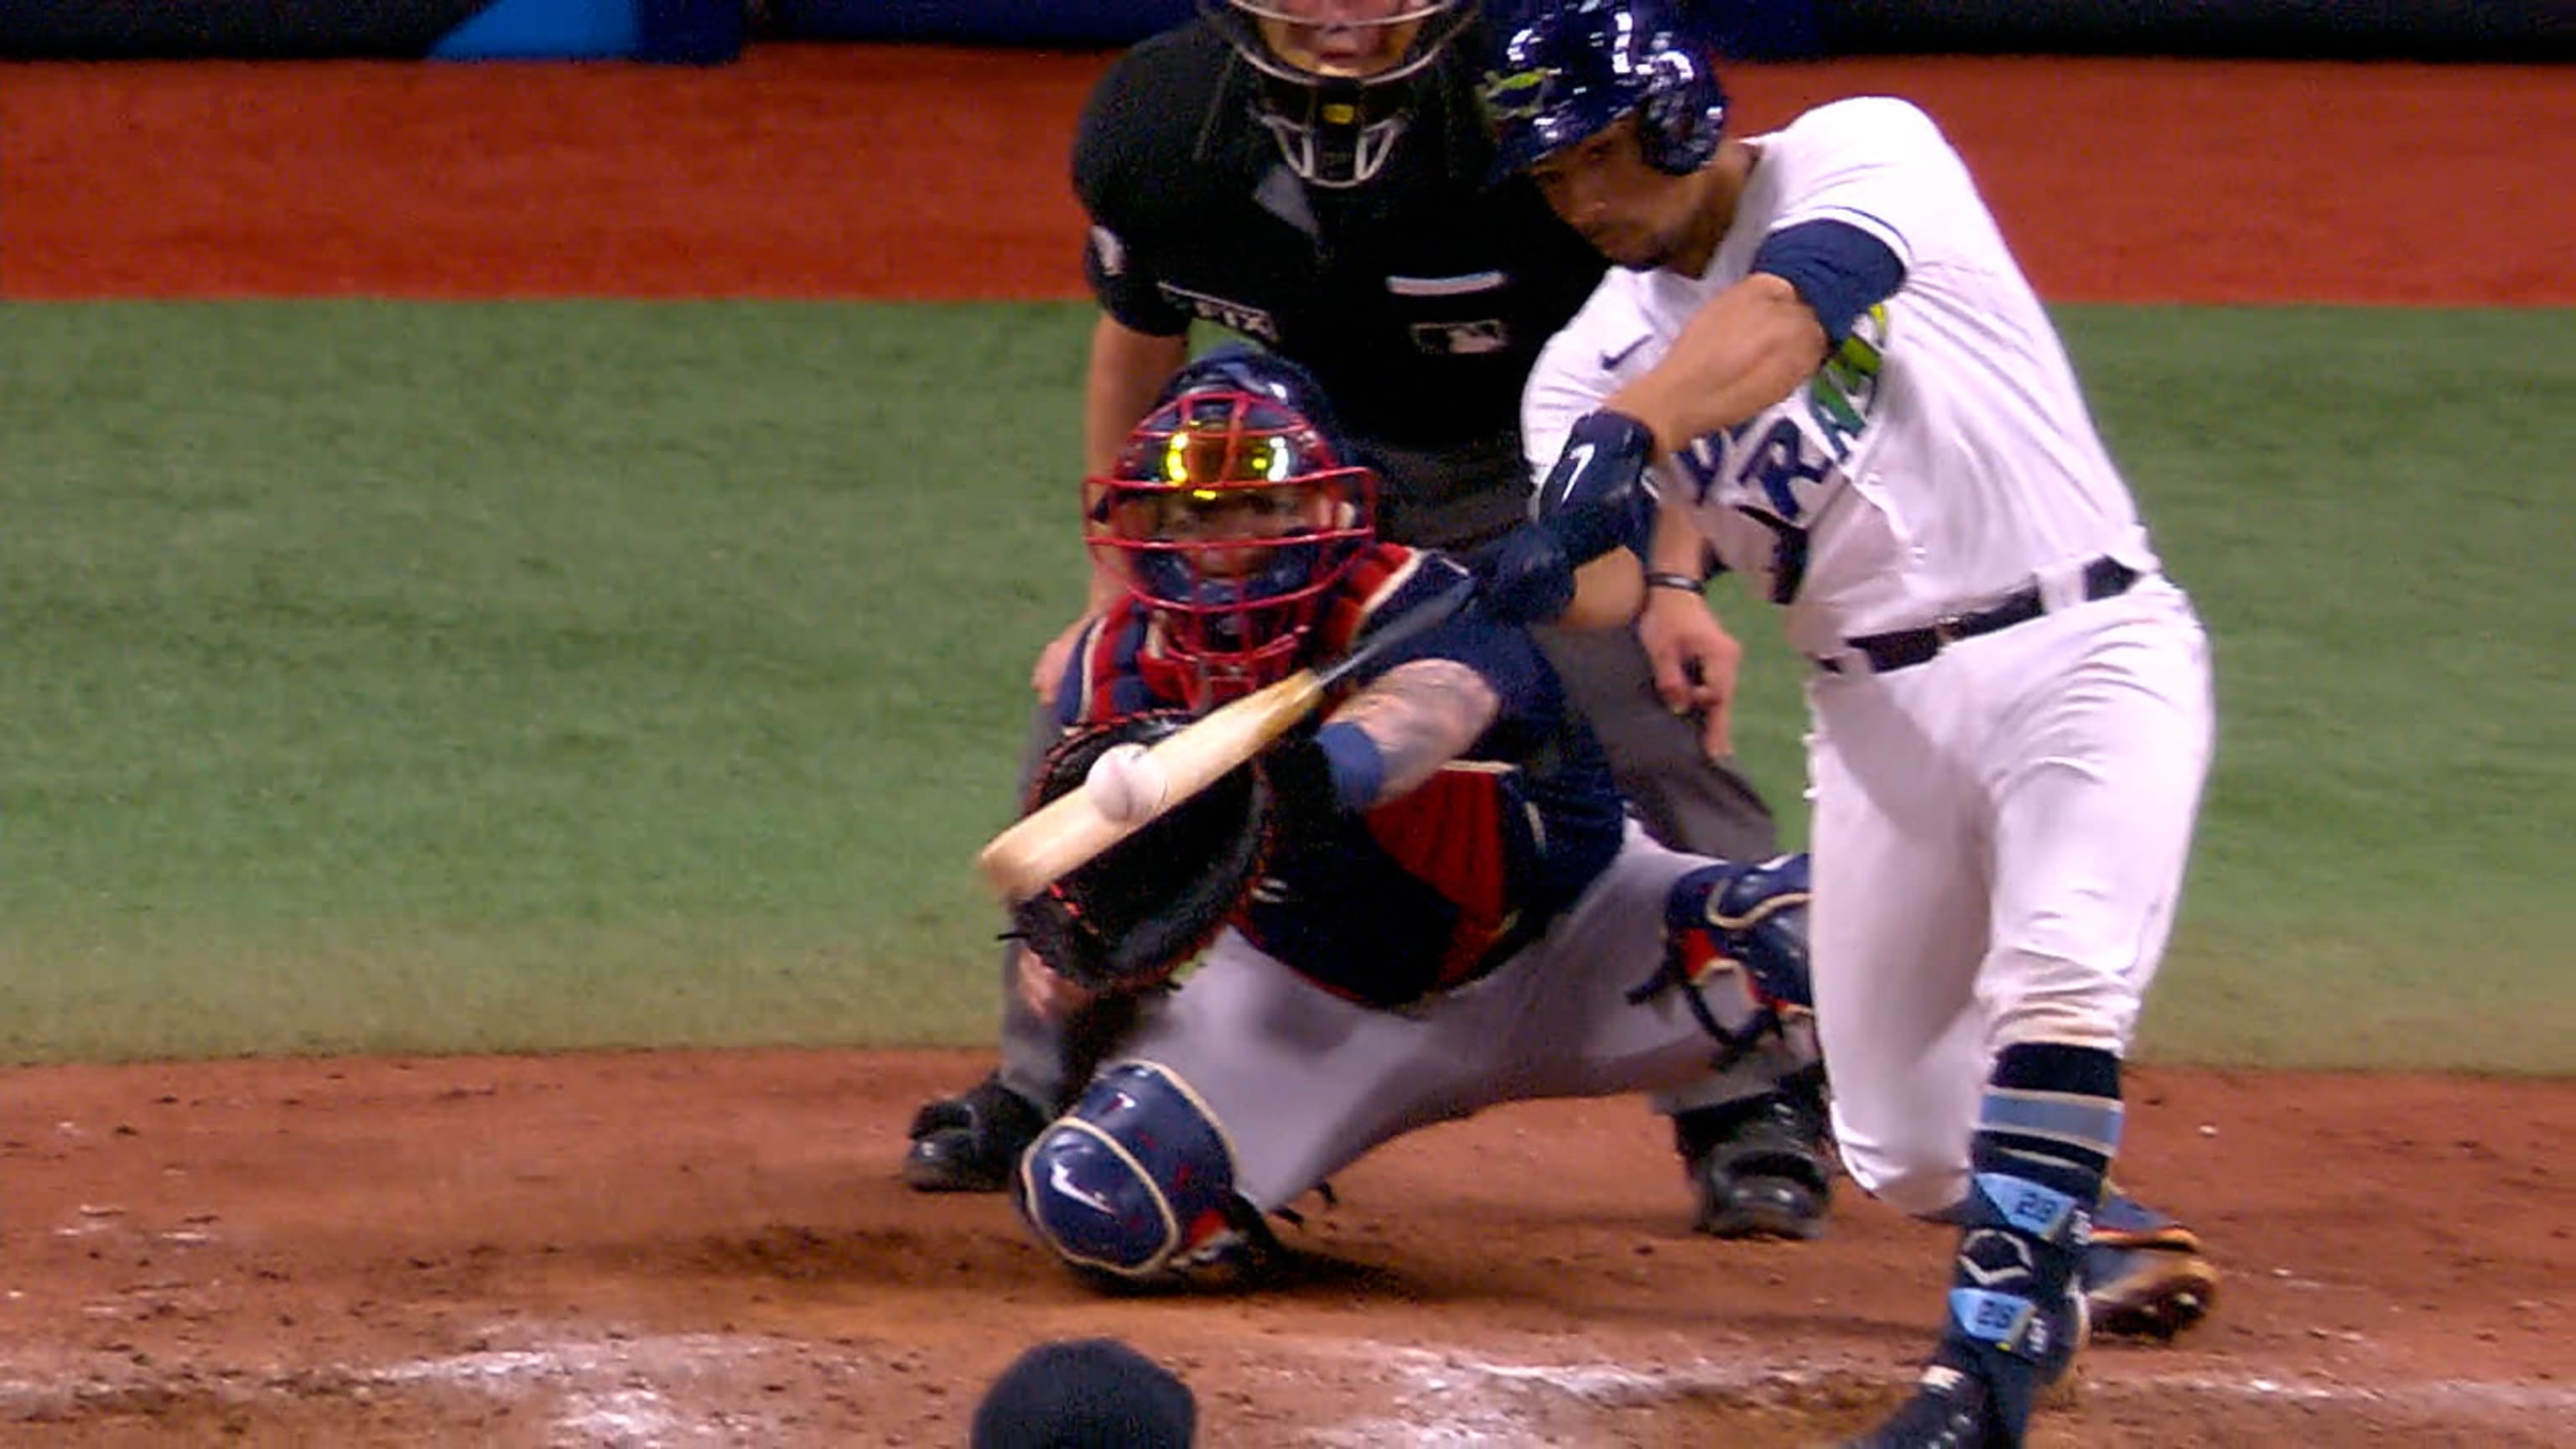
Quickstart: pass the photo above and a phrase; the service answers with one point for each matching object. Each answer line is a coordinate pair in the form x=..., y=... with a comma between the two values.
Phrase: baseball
x=1126, y=783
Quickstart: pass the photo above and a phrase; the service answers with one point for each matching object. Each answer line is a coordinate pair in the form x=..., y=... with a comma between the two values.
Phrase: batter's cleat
x=971, y=1142
x=1949, y=1410
x=1956, y=1406
x=1758, y=1167
x=2144, y=1276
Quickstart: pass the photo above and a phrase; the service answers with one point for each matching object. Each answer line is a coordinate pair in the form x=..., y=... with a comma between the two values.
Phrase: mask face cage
x=1229, y=516
x=1335, y=93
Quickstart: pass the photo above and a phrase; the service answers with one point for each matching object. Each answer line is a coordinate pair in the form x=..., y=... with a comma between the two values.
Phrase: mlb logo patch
x=1462, y=339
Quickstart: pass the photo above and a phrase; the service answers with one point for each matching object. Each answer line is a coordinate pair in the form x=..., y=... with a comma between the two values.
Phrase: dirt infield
x=667, y=1249
x=682, y=1249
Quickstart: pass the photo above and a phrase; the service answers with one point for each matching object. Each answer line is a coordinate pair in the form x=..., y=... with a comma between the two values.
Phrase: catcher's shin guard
x=970, y=1142
x=1134, y=1188
x=2144, y=1276
x=1758, y=1167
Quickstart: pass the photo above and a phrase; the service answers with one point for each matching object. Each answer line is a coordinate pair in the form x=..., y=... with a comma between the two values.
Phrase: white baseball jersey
x=2000, y=826
x=1943, y=457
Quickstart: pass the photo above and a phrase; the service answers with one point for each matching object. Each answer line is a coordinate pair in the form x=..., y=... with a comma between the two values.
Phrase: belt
x=2104, y=578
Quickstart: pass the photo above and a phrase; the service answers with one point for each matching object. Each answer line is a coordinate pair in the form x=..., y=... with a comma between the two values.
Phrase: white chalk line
x=636, y=1391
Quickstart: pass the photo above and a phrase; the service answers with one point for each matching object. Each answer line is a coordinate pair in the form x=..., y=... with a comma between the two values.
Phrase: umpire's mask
x=1336, y=75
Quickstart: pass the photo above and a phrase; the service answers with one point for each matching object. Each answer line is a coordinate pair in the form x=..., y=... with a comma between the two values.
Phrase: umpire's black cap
x=1086, y=1393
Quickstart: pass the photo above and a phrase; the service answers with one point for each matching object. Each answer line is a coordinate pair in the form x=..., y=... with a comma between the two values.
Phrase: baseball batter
x=1453, y=909
x=1819, y=348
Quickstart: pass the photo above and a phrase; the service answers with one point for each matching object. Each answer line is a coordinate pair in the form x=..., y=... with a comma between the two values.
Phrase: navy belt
x=2104, y=578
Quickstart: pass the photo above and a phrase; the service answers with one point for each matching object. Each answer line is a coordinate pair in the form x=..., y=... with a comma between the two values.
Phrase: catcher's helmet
x=1233, y=511
x=1558, y=71
x=1336, y=76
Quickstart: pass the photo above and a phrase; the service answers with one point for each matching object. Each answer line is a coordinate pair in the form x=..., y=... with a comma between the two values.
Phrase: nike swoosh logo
x=1610, y=360
x=1062, y=1181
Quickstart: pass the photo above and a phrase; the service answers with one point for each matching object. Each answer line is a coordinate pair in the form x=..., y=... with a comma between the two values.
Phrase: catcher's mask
x=1557, y=72
x=1231, y=512
x=1336, y=76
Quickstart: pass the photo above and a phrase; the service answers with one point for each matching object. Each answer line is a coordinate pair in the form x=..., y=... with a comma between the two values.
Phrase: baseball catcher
x=1450, y=823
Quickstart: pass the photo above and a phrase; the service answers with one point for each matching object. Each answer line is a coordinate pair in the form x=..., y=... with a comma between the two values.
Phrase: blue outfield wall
x=2525, y=30
x=1067, y=23
x=715, y=30
x=1748, y=29
x=2507, y=30
x=697, y=31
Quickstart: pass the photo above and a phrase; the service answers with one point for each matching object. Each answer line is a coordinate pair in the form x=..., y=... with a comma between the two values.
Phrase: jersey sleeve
x=1876, y=164
x=1606, y=344
x=1109, y=147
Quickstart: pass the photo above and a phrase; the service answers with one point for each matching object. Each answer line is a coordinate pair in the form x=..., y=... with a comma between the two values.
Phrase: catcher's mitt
x=1129, y=918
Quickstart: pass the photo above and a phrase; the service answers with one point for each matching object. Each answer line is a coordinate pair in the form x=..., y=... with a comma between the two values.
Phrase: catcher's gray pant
x=1304, y=1082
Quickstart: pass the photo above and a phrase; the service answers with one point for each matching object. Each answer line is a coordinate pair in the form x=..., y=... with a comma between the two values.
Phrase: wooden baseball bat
x=1069, y=830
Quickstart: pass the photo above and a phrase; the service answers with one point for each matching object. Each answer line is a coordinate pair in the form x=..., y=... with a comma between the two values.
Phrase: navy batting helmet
x=1337, y=75
x=1233, y=508
x=1558, y=71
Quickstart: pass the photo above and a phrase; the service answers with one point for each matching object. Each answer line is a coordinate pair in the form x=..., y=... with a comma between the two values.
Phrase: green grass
x=416, y=678
x=2376, y=513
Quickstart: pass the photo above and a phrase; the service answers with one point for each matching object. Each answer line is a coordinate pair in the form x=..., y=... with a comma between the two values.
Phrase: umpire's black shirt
x=1419, y=299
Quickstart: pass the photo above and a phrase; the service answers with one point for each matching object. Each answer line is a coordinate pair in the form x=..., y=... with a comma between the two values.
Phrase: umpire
x=1313, y=174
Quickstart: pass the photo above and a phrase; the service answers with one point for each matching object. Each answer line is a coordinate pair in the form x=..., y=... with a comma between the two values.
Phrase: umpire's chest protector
x=1419, y=299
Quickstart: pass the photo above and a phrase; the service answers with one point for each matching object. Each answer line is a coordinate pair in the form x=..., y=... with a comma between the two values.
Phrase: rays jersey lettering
x=1783, y=466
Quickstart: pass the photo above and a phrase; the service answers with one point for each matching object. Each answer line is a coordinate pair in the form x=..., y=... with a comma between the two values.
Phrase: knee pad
x=1137, y=1181
x=1748, y=922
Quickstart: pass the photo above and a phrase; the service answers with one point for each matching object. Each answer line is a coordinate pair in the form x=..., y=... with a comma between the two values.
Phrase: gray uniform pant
x=1303, y=1082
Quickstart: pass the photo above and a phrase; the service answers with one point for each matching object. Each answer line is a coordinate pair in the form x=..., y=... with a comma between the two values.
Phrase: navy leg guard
x=2045, y=1138
x=1746, y=921
x=1136, y=1182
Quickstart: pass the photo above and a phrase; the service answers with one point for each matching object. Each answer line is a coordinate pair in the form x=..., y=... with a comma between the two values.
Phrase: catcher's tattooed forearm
x=1421, y=716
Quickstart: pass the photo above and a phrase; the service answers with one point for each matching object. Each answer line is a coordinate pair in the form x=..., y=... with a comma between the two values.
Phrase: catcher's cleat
x=1758, y=1167
x=2144, y=1276
x=971, y=1142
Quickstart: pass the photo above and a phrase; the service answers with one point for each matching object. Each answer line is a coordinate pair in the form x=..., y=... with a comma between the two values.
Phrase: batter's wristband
x=1667, y=579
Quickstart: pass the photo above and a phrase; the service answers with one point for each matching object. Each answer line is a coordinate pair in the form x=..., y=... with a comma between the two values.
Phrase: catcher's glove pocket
x=1127, y=919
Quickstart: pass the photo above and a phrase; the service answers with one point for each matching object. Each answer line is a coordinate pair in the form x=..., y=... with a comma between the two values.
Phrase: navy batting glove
x=1524, y=577
x=1595, y=499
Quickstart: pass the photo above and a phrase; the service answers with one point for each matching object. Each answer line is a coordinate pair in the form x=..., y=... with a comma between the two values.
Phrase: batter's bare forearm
x=1751, y=346
x=1421, y=716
